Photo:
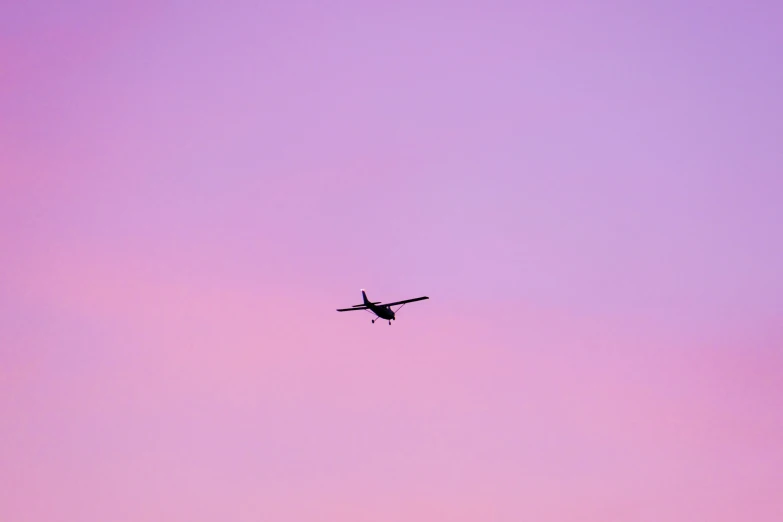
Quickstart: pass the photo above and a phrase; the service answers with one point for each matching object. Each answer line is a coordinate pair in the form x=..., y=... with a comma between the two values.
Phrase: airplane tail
x=365, y=301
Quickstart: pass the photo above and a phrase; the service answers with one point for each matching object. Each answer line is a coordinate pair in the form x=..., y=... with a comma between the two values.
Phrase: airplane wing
x=362, y=307
x=406, y=301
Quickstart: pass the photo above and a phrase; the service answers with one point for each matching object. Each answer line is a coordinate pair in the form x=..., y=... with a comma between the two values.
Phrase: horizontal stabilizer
x=356, y=306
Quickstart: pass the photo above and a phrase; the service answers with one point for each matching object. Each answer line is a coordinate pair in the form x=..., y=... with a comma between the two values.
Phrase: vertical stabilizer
x=364, y=298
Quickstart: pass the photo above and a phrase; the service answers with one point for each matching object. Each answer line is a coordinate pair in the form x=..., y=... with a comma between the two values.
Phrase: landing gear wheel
x=389, y=323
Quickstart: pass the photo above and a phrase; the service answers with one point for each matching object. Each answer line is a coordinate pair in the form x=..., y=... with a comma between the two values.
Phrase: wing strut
x=400, y=308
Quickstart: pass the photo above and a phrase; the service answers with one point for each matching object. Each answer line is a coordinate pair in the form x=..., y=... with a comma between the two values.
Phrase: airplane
x=382, y=311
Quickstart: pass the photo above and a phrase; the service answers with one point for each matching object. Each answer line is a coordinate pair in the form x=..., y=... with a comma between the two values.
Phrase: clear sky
x=590, y=193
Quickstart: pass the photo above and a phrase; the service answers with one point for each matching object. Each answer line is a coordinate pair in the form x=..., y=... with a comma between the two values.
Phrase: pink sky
x=590, y=195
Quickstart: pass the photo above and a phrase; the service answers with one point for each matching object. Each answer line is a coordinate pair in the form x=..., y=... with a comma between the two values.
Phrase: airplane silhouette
x=382, y=311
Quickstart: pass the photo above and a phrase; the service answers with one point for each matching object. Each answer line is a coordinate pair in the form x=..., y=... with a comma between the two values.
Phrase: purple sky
x=591, y=195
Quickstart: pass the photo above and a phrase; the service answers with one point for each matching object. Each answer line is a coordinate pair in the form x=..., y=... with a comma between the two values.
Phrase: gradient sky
x=591, y=195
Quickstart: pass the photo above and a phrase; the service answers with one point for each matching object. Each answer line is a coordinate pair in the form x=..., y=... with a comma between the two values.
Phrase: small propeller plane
x=382, y=311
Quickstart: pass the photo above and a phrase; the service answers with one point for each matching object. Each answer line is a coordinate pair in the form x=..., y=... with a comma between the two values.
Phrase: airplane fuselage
x=384, y=312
